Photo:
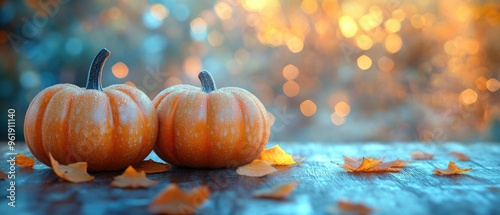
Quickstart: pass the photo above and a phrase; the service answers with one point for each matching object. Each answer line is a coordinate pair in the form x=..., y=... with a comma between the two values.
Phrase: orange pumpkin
x=108, y=128
x=210, y=128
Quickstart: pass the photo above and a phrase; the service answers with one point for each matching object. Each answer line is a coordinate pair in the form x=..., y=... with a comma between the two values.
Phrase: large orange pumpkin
x=108, y=128
x=210, y=128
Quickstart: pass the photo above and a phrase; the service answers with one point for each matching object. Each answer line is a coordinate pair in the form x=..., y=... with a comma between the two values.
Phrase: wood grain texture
x=415, y=190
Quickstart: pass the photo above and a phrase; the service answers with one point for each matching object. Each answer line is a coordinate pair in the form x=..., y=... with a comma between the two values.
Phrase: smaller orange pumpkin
x=108, y=128
x=210, y=128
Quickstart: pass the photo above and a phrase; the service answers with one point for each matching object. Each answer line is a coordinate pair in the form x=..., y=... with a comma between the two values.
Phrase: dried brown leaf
x=371, y=165
x=278, y=192
x=419, y=155
x=452, y=169
x=132, y=179
x=24, y=161
x=151, y=166
x=173, y=200
x=461, y=156
x=359, y=209
x=256, y=168
x=75, y=173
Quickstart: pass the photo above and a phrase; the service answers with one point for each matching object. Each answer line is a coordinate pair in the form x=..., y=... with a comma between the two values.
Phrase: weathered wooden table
x=415, y=190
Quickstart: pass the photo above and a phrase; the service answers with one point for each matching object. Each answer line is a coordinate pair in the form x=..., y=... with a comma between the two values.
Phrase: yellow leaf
x=277, y=156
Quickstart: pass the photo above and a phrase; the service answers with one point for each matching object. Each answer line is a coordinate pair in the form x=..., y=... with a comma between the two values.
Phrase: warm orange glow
x=192, y=66
x=364, y=62
x=309, y=6
x=290, y=72
x=215, y=38
x=308, y=108
x=348, y=26
x=171, y=81
x=120, y=70
x=159, y=11
x=130, y=83
x=364, y=42
x=295, y=44
x=291, y=88
x=114, y=12
x=392, y=25
x=223, y=10
x=342, y=109
x=493, y=85
x=254, y=5
x=481, y=83
x=468, y=96
x=336, y=119
x=393, y=43
x=385, y=64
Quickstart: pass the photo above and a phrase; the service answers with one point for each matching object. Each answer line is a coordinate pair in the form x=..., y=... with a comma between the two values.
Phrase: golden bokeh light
x=291, y=88
x=364, y=42
x=192, y=66
x=393, y=43
x=348, y=26
x=309, y=6
x=385, y=64
x=120, y=70
x=308, y=108
x=215, y=38
x=223, y=10
x=481, y=83
x=198, y=25
x=493, y=84
x=158, y=11
x=364, y=62
x=295, y=44
x=468, y=96
x=290, y=72
x=336, y=119
x=392, y=25
x=342, y=109
x=171, y=81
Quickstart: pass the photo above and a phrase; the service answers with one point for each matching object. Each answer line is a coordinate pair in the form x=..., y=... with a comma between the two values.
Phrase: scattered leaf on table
x=76, y=172
x=173, y=200
x=419, y=155
x=151, y=166
x=359, y=209
x=277, y=156
x=22, y=160
x=451, y=170
x=257, y=168
x=3, y=176
x=278, y=192
x=371, y=165
x=460, y=156
x=132, y=179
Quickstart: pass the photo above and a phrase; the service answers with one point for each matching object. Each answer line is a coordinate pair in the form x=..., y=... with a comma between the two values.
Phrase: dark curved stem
x=207, y=82
x=94, y=81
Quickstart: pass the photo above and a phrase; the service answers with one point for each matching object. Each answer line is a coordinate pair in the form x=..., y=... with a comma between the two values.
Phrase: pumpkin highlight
x=210, y=127
x=108, y=128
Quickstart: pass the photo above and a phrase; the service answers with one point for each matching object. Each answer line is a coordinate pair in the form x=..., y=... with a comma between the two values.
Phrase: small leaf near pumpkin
x=451, y=170
x=460, y=156
x=132, y=179
x=173, y=200
x=256, y=168
x=24, y=161
x=76, y=172
x=277, y=156
x=353, y=208
x=3, y=176
x=278, y=192
x=419, y=155
x=151, y=166
x=371, y=165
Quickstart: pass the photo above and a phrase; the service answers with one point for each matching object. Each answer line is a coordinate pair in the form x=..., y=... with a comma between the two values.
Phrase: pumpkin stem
x=94, y=81
x=207, y=82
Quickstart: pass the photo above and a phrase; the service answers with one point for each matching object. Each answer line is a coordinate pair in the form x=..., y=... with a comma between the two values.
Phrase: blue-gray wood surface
x=415, y=190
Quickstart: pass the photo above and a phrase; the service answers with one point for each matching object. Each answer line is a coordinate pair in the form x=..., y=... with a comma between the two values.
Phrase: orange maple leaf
x=132, y=179
x=451, y=170
x=3, y=176
x=256, y=168
x=277, y=156
x=359, y=209
x=460, y=156
x=150, y=166
x=22, y=160
x=277, y=192
x=371, y=165
x=173, y=200
x=418, y=155
x=76, y=172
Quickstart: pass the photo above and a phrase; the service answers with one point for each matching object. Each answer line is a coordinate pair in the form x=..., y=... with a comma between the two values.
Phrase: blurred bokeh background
x=326, y=70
